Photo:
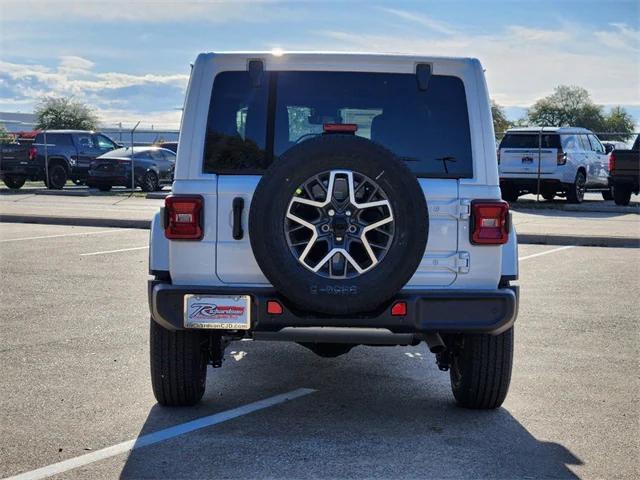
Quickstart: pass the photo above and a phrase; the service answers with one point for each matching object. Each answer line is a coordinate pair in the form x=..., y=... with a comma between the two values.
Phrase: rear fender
x=158, y=246
x=509, y=269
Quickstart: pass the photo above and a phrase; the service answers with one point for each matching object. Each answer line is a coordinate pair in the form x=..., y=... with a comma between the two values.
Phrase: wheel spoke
x=342, y=223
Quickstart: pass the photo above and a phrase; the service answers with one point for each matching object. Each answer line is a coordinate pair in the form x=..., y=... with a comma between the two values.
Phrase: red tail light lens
x=274, y=307
x=340, y=128
x=399, y=309
x=612, y=162
x=562, y=158
x=33, y=153
x=183, y=217
x=489, y=222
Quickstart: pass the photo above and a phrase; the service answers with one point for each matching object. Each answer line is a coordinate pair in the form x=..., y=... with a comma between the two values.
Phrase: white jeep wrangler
x=335, y=200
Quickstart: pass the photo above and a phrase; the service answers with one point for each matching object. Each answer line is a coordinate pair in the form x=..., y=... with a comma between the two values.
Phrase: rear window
x=529, y=140
x=249, y=127
x=55, y=139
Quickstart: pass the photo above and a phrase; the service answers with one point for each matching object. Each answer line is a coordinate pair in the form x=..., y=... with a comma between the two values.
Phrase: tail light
x=612, y=162
x=183, y=217
x=562, y=158
x=489, y=222
x=340, y=128
x=33, y=153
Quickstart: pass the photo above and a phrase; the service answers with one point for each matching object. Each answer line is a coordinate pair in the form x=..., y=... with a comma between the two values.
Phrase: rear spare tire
x=346, y=251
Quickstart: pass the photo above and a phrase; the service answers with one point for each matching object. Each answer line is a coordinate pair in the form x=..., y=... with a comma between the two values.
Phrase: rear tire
x=622, y=195
x=548, y=196
x=178, y=365
x=575, y=192
x=149, y=182
x=104, y=188
x=57, y=177
x=509, y=194
x=480, y=370
x=13, y=182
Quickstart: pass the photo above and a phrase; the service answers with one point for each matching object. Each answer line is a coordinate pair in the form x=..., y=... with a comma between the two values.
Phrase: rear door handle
x=238, y=206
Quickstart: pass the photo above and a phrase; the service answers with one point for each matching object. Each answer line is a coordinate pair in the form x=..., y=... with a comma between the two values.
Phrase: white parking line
x=113, y=251
x=546, y=252
x=111, y=230
x=159, y=436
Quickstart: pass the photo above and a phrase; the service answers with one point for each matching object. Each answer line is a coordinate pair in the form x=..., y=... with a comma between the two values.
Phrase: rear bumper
x=20, y=170
x=443, y=311
x=531, y=184
x=632, y=181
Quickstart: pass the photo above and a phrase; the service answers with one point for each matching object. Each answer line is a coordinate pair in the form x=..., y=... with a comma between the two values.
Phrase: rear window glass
x=529, y=140
x=56, y=139
x=248, y=126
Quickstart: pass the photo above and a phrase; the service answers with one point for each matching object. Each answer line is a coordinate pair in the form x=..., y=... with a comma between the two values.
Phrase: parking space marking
x=546, y=252
x=160, y=436
x=113, y=251
x=76, y=234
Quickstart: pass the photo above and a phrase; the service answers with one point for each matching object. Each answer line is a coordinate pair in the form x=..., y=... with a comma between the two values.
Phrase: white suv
x=335, y=200
x=552, y=161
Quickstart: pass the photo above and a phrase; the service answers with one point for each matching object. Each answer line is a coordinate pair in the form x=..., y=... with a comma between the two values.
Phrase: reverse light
x=399, y=309
x=274, y=307
x=562, y=158
x=489, y=222
x=612, y=162
x=183, y=217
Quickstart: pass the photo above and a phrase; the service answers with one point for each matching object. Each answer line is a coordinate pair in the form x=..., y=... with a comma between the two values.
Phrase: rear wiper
x=444, y=161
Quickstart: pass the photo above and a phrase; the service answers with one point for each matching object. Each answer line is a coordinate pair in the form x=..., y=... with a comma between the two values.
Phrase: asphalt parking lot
x=75, y=380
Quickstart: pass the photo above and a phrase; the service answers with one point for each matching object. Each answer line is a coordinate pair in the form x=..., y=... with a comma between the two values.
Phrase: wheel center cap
x=339, y=225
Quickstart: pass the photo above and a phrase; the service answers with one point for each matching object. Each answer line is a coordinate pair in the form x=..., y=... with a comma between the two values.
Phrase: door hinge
x=463, y=262
x=458, y=262
x=459, y=209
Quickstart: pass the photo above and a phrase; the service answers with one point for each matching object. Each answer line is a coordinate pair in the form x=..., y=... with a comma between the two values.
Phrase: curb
x=523, y=238
x=532, y=206
x=578, y=241
x=77, y=221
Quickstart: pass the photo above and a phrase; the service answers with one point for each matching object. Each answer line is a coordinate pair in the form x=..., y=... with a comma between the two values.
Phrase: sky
x=130, y=59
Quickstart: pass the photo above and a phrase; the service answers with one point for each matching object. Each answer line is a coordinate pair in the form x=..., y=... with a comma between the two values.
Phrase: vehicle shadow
x=377, y=413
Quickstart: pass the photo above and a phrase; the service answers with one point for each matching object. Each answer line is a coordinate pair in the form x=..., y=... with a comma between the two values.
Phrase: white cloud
x=621, y=37
x=141, y=11
x=116, y=96
x=524, y=64
x=420, y=19
x=71, y=63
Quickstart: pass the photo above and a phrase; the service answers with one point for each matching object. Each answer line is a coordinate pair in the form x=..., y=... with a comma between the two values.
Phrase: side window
x=168, y=155
x=142, y=155
x=584, y=143
x=596, y=146
x=85, y=141
x=104, y=143
x=570, y=143
x=60, y=140
x=236, y=128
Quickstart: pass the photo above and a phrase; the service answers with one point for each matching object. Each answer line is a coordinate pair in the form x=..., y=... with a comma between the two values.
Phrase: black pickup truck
x=17, y=164
x=56, y=156
x=624, y=173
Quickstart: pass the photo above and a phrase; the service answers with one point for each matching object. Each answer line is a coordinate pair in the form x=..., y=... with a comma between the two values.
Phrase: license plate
x=527, y=160
x=228, y=312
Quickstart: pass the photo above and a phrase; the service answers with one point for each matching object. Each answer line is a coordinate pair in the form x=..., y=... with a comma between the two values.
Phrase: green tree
x=500, y=121
x=619, y=121
x=567, y=106
x=61, y=112
x=5, y=136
